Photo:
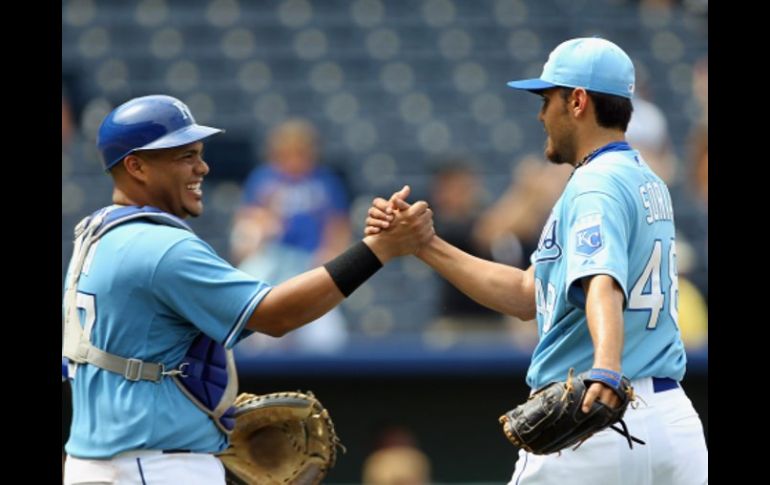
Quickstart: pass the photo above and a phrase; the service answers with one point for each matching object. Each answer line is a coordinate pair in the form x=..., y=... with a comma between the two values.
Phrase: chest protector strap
x=207, y=373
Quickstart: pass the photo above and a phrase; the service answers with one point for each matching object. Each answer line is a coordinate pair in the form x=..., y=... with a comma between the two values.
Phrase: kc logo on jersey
x=588, y=235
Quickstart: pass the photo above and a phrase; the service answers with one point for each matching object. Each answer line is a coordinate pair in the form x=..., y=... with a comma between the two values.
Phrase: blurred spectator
x=396, y=460
x=657, y=4
x=397, y=465
x=693, y=315
x=294, y=216
x=457, y=197
x=692, y=223
x=511, y=227
x=697, y=181
x=699, y=138
x=291, y=200
x=648, y=133
x=697, y=188
x=699, y=162
x=700, y=87
x=67, y=122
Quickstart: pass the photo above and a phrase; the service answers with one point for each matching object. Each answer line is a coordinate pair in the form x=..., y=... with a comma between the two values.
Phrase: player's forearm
x=295, y=302
x=604, y=312
x=308, y=296
x=500, y=287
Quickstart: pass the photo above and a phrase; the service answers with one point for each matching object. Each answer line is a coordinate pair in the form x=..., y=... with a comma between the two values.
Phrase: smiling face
x=561, y=143
x=174, y=177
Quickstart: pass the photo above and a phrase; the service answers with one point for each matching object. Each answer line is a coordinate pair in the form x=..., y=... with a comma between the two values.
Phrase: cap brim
x=189, y=134
x=533, y=85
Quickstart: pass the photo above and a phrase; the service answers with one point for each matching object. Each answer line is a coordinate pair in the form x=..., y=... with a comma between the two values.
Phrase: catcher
x=152, y=313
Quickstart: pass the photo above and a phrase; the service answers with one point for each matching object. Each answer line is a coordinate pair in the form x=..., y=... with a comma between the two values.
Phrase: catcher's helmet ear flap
x=147, y=123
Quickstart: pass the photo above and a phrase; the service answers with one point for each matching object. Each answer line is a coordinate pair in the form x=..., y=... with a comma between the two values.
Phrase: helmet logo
x=183, y=109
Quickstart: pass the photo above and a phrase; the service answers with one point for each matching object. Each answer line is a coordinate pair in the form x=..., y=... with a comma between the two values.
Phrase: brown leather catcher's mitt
x=280, y=438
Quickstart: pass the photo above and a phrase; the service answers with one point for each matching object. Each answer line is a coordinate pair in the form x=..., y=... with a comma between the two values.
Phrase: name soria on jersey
x=656, y=201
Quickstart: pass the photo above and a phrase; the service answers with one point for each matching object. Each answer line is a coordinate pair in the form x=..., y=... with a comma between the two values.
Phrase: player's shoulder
x=611, y=173
x=138, y=248
x=149, y=237
x=593, y=177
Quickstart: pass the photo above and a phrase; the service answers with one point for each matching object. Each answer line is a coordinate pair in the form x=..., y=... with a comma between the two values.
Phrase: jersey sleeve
x=207, y=291
x=597, y=241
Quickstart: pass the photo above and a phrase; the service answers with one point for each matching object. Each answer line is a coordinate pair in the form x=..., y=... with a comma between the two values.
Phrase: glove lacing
x=623, y=432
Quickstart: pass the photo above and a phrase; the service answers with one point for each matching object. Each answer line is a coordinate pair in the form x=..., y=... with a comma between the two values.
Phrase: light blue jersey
x=148, y=290
x=614, y=218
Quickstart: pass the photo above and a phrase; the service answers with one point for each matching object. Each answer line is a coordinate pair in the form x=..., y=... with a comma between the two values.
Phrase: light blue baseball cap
x=588, y=62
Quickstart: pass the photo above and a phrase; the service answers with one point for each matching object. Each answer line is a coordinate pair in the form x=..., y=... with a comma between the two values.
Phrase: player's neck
x=594, y=142
x=124, y=197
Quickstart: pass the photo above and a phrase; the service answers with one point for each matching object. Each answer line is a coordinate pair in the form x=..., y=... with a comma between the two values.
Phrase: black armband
x=353, y=267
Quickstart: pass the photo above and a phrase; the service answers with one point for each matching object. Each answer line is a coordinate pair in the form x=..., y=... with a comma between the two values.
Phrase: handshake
x=396, y=228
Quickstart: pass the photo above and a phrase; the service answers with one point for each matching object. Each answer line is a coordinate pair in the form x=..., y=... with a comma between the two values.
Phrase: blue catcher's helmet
x=148, y=123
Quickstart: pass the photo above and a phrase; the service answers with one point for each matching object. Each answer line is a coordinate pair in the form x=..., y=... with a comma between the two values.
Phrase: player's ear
x=135, y=167
x=578, y=101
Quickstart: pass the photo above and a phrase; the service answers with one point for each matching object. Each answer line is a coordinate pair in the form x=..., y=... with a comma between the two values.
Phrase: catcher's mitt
x=552, y=418
x=283, y=437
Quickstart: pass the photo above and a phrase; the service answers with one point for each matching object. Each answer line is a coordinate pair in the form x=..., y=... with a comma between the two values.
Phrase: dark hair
x=611, y=111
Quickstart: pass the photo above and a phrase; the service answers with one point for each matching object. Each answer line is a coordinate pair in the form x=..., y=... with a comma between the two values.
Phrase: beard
x=555, y=156
x=562, y=153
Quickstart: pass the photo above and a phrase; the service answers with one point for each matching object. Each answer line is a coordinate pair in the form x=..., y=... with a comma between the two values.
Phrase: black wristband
x=353, y=267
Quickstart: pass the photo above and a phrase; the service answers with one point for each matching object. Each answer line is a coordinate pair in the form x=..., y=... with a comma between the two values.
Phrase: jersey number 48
x=647, y=293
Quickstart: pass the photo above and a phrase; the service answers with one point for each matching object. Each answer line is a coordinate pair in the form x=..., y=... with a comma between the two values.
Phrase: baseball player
x=151, y=312
x=603, y=279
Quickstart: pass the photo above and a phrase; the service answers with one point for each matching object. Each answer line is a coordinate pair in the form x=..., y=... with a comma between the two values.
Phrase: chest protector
x=206, y=374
